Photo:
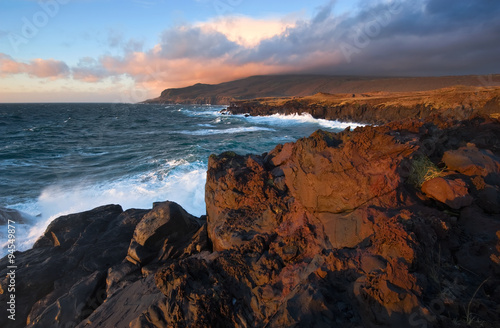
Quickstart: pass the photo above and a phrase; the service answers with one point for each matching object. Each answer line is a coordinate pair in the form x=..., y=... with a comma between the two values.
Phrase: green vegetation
x=422, y=169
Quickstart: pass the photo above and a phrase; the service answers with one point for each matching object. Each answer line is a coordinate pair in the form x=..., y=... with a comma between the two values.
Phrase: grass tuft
x=422, y=169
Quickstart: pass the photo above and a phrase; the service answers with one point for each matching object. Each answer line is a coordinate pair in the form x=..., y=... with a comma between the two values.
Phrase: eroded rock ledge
x=389, y=226
x=460, y=103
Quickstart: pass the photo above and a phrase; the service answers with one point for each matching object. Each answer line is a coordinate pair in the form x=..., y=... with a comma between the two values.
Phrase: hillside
x=307, y=85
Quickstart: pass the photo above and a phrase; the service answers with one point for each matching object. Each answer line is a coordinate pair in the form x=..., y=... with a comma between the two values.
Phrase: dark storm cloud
x=194, y=42
x=402, y=37
x=428, y=38
x=432, y=37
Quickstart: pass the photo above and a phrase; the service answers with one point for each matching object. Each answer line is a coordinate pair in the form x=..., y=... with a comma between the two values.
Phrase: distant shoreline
x=278, y=86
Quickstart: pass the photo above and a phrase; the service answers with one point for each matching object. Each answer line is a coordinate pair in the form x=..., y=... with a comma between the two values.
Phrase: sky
x=131, y=50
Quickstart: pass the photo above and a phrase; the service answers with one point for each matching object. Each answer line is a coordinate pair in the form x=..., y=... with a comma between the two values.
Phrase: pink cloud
x=156, y=73
x=41, y=68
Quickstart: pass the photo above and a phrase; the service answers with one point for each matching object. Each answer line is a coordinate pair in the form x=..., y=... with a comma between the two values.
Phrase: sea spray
x=58, y=159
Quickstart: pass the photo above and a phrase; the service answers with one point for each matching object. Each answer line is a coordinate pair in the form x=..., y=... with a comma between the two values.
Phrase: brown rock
x=324, y=232
x=453, y=193
x=72, y=307
x=346, y=230
x=472, y=161
x=360, y=169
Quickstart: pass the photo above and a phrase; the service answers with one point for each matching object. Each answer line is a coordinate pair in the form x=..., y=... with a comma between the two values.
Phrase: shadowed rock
x=160, y=233
x=328, y=231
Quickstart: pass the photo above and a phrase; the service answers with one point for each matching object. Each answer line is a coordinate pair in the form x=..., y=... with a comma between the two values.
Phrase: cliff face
x=378, y=108
x=392, y=226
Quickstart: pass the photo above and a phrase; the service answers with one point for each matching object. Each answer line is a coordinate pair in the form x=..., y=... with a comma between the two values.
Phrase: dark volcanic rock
x=66, y=265
x=329, y=231
x=161, y=232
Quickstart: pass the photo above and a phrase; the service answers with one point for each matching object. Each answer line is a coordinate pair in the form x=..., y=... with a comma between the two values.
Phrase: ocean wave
x=205, y=132
x=284, y=120
x=214, y=111
x=177, y=180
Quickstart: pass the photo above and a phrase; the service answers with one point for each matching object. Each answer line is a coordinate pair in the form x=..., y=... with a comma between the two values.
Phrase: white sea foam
x=284, y=120
x=177, y=181
x=205, y=132
x=214, y=111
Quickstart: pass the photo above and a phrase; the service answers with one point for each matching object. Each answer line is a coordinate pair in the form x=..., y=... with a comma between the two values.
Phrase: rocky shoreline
x=390, y=226
x=458, y=103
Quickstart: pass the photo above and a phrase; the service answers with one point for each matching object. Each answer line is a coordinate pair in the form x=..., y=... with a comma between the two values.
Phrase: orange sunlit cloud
x=42, y=68
x=247, y=31
x=227, y=48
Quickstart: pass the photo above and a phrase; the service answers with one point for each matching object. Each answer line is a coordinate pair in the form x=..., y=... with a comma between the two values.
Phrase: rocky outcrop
x=67, y=265
x=335, y=230
x=366, y=110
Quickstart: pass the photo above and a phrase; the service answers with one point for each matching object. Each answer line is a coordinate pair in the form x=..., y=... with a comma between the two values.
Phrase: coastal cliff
x=390, y=226
x=459, y=103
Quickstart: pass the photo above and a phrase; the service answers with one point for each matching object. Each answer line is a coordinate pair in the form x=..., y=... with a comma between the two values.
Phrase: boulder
x=323, y=232
x=452, y=192
x=471, y=161
x=67, y=264
x=159, y=233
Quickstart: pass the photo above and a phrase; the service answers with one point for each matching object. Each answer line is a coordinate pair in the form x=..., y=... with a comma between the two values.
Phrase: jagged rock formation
x=389, y=226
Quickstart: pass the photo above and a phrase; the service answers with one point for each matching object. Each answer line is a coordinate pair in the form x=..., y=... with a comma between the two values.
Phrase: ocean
x=57, y=159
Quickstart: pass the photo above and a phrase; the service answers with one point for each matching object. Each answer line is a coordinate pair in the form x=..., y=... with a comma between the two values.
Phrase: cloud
x=194, y=42
x=41, y=68
x=440, y=37
x=324, y=13
x=384, y=37
x=89, y=69
x=117, y=40
x=437, y=37
x=246, y=31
